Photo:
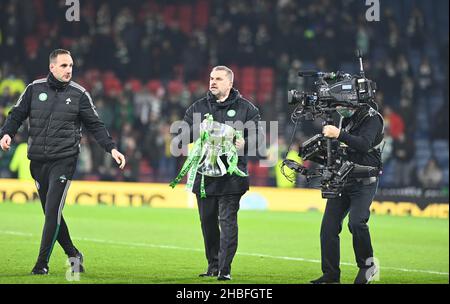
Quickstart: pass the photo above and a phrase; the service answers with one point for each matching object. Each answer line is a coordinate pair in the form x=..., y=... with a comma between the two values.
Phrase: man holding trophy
x=217, y=166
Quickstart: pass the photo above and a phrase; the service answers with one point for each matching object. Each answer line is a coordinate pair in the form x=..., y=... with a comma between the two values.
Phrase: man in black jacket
x=362, y=131
x=221, y=205
x=56, y=108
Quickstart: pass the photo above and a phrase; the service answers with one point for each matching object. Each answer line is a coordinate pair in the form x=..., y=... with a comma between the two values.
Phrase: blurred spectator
x=431, y=175
x=404, y=160
x=193, y=60
x=84, y=166
x=105, y=112
x=5, y=160
x=393, y=123
x=416, y=29
x=147, y=103
x=131, y=171
x=12, y=85
x=281, y=180
x=167, y=163
x=440, y=125
x=425, y=79
x=6, y=99
x=20, y=164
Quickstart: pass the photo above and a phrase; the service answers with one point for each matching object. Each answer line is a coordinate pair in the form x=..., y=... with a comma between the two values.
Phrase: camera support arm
x=328, y=121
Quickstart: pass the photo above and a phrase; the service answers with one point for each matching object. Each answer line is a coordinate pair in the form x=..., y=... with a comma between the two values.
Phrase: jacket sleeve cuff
x=3, y=133
x=110, y=147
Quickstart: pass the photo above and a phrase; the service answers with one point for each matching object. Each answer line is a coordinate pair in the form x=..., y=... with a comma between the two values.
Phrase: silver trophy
x=218, y=143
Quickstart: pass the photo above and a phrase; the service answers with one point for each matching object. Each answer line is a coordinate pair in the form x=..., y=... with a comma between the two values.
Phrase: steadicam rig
x=331, y=91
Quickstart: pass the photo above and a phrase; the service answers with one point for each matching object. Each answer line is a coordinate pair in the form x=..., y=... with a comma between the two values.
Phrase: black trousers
x=218, y=216
x=355, y=200
x=53, y=180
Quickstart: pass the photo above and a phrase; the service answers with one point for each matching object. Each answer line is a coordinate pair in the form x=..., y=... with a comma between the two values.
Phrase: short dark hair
x=57, y=52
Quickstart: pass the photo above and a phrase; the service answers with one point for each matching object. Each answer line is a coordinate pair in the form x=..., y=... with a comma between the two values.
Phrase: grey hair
x=230, y=73
x=55, y=53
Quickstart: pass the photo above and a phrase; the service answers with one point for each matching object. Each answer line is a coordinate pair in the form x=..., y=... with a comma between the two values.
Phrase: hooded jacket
x=234, y=109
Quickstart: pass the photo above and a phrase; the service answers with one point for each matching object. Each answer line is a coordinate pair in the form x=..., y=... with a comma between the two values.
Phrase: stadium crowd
x=144, y=62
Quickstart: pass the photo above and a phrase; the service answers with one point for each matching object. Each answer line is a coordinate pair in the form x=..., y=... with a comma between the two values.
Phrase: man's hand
x=119, y=158
x=5, y=142
x=240, y=143
x=331, y=131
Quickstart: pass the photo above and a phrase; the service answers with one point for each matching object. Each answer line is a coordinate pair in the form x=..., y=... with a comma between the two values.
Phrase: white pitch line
x=146, y=245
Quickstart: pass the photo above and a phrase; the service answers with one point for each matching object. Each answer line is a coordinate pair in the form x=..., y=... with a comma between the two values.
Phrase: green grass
x=145, y=245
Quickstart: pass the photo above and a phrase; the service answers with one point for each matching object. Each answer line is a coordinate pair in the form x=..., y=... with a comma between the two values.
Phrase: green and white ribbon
x=199, y=150
x=232, y=158
x=192, y=162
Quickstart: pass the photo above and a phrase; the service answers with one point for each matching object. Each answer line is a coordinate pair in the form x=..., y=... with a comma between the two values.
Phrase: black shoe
x=365, y=275
x=77, y=264
x=39, y=270
x=209, y=273
x=224, y=277
x=325, y=280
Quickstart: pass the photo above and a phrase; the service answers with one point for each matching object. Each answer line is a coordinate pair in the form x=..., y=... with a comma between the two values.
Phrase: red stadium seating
x=265, y=84
x=169, y=14
x=248, y=81
x=201, y=14
x=175, y=87
x=135, y=84
x=185, y=18
x=111, y=84
x=154, y=85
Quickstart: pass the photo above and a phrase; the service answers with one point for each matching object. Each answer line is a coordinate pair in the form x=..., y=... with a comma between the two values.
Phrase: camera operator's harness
x=360, y=171
x=335, y=170
x=352, y=91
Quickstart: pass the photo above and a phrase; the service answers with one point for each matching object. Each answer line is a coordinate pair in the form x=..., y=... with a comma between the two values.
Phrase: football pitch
x=165, y=246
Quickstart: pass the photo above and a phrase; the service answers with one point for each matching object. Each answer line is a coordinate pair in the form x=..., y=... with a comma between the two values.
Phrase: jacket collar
x=234, y=95
x=55, y=83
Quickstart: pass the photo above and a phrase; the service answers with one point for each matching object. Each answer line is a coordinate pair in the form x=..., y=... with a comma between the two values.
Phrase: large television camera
x=331, y=91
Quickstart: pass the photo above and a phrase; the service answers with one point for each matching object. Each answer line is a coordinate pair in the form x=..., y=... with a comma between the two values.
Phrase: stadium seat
x=445, y=178
x=414, y=60
x=422, y=157
x=38, y=6
x=260, y=175
x=154, y=85
x=388, y=176
x=185, y=18
x=248, y=81
x=111, y=84
x=178, y=71
x=237, y=74
x=31, y=44
x=265, y=84
x=144, y=168
x=169, y=14
x=135, y=84
x=175, y=87
x=435, y=102
x=201, y=16
x=441, y=153
x=193, y=86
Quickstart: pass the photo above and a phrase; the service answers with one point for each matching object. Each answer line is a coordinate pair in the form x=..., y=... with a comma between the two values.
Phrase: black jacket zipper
x=49, y=122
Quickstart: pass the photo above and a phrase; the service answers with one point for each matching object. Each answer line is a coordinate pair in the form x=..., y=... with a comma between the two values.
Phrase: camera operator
x=361, y=129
